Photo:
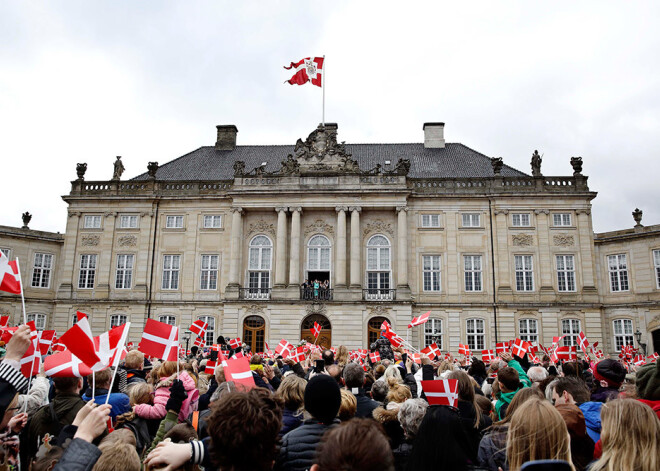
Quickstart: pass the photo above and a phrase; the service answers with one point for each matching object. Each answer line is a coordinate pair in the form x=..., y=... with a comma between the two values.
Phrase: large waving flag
x=309, y=69
x=80, y=341
x=160, y=340
x=10, y=280
x=65, y=364
x=420, y=320
x=238, y=370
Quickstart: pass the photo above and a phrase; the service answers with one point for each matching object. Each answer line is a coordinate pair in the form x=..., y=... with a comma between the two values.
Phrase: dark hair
x=443, y=425
x=243, y=428
x=193, y=350
x=478, y=368
x=66, y=385
x=509, y=378
x=328, y=357
x=353, y=376
x=575, y=387
x=358, y=444
x=570, y=369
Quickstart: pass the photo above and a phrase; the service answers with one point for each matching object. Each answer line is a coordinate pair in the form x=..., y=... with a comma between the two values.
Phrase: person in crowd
x=167, y=374
x=335, y=371
x=484, y=404
x=216, y=379
x=537, y=432
x=292, y=394
x=322, y=402
x=347, y=407
x=609, y=375
x=388, y=416
x=11, y=379
x=648, y=386
x=509, y=380
x=134, y=366
x=379, y=391
x=143, y=429
x=37, y=396
x=354, y=381
x=410, y=416
x=378, y=371
x=536, y=375
x=328, y=357
x=119, y=401
x=477, y=370
x=342, y=356
x=571, y=390
x=582, y=446
x=345, y=448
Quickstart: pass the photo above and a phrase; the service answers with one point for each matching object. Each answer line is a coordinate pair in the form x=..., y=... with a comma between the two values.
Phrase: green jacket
x=505, y=398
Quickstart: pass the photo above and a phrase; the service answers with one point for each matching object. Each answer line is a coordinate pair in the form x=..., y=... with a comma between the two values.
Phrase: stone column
x=294, y=258
x=545, y=262
x=586, y=246
x=280, y=250
x=402, y=235
x=67, y=269
x=340, y=271
x=356, y=247
x=106, y=264
x=503, y=272
x=236, y=246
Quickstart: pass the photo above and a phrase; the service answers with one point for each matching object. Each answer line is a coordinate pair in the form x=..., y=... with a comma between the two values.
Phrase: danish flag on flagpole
x=443, y=392
x=316, y=330
x=238, y=370
x=80, y=316
x=298, y=354
x=283, y=348
x=487, y=356
x=432, y=351
x=160, y=340
x=4, y=321
x=374, y=357
x=45, y=340
x=199, y=328
x=10, y=279
x=566, y=353
x=235, y=343
x=420, y=320
x=110, y=346
x=65, y=365
x=209, y=369
x=309, y=69
x=500, y=348
x=519, y=348
x=31, y=360
x=199, y=342
x=584, y=343
x=80, y=341
x=463, y=349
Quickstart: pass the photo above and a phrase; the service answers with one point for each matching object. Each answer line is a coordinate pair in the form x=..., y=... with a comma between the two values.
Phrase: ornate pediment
x=378, y=226
x=261, y=226
x=319, y=227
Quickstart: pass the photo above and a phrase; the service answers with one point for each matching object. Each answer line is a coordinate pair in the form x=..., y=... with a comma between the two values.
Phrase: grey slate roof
x=453, y=161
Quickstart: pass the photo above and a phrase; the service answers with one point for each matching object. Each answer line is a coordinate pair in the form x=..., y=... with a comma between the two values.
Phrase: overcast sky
x=85, y=81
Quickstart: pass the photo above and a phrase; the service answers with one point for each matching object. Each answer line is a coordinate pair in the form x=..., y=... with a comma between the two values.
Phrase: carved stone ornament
x=522, y=240
x=562, y=240
x=320, y=153
x=90, y=240
x=379, y=310
x=80, y=170
x=152, y=168
x=127, y=241
x=118, y=168
x=27, y=217
x=254, y=310
x=637, y=216
x=500, y=211
x=239, y=168
x=261, y=226
x=378, y=226
x=316, y=308
x=319, y=227
x=74, y=214
x=576, y=163
x=497, y=164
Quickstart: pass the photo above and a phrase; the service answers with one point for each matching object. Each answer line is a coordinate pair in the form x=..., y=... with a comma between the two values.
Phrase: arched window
x=379, y=269
x=117, y=319
x=318, y=269
x=259, y=266
x=254, y=333
x=210, y=330
x=171, y=320
x=325, y=337
x=374, y=328
x=39, y=320
x=318, y=253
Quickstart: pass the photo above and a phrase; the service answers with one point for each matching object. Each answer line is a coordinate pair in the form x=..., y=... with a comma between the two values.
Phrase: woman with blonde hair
x=388, y=415
x=537, y=432
x=342, y=355
x=630, y=437
x=292, y=394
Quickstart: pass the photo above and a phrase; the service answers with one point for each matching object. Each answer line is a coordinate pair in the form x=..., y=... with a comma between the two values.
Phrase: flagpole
x=323, y=88
x=30, y=381
x=115, y=363
x=20, y=279
x=177, y=353
x=94, y=385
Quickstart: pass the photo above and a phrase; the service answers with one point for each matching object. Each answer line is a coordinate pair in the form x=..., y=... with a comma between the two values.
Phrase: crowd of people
x=330, y=413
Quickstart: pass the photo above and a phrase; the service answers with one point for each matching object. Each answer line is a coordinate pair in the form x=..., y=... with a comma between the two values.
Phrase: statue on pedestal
x=536, y=164
x=119, y=169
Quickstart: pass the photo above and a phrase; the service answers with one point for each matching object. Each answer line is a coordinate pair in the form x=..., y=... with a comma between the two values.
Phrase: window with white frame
x=117, y=320
x=618, y=269
x=561, y=219
x=174, y=222
x=656, y=263
x=6, y=251
x=209, y=275
x=524, y=273
x=171, y=320
x=41, y=270
x=259, y=264
x=87, y=271
x=378, y=266
x=210, y=330
x=521, y=220
x=473, y=273
x=430, y=220
x=471, y=219
x=74, y=319
x=431, y=272
x=39, y=320
x=128, y=221
x=124, y=274
x=565, y=272
x=212, y=221
x=476, y=334
x=171, y=267
x=318, y=253
x=433, y=332
x=92, y=222
x=570, y=328
x=528, y=330
x=623, y=333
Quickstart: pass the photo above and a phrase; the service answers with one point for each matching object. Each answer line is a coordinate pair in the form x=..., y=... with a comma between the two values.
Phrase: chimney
x=226, y=137
x=434, y=135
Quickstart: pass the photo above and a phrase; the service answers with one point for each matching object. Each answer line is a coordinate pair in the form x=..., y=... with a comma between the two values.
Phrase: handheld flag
x=199, y=328
x=65, y=365
x=160, y=340
x=316, y=330
x=420, y=320
x=10, y=279
x=443, y=392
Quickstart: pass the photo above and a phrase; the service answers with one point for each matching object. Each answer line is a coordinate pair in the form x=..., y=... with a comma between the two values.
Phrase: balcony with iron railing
x=378, y=294
x=255, y=294
x=319, y=294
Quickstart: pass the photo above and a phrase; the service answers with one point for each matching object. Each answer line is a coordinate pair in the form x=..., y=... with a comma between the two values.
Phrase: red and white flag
x=110, y=346
x=199, y=327
x=80, y=341
x=209, y=369
x=298, y=354
x=238, y=370
x=374, y=357
x=487, y=356
x=235, y=343
x=309, y=69
x=417, y=358
x=639, y=360
x=583, y=342
x=419, y=320
x=385, y=326
x=463, y=349
x=566, y=353
x=31, y=360
x=395, y=340
x=284, y=348
x=45, y=340
x=432, y=351
x=4, y=321
x=160, y=340
x=316, y=330
x=555, y=342
x=443, y=392
x=80, y=316
x=10, y=279
x=65, y=364
x=500, y=348
x=519, y=348
x=199, y=342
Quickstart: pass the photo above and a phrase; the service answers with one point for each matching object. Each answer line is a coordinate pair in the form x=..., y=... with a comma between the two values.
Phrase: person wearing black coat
x=354, y=381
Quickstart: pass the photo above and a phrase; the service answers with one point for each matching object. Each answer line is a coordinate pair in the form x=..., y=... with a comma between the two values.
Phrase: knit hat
x=322, y=398
x=610, y=371
x=648, y=382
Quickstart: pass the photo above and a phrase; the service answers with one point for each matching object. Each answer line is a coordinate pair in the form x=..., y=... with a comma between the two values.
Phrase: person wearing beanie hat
x=610, y=374
x=322, y=401
x=648, y=386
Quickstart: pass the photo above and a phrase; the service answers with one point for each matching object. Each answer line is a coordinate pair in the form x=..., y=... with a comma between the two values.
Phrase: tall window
x=561, y=219
x=128, y=221
x=431, y=270
x=254, y=333
x=117, y=320
x=524, y=273
x=570, y=328
x=373, y=328
x=476, y=334
x=433, y=332
x=209, y=278
x=618, y=269
x=430, y=220
x=318, y=253
x=39, y=320
x=210, y=330
x=623, y=333
x=171, y=267
x=171, y=320
x=259, y=266
x=378, y=267
x=87, y=271
x=43, y=264
x=92, y=222
x=212, y=221
x=565, y=272
x=528, y=330
x=174, y=222
x=472, y=265
x=471, y=220
x=656, y=263
x=124, y=275
x=520, y=219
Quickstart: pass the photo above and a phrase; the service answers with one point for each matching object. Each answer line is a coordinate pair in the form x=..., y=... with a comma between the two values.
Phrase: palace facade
x=230, y=234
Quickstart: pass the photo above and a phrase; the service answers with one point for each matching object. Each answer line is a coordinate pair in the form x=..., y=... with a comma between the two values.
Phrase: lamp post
x=638, y=336
x=186, y=337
